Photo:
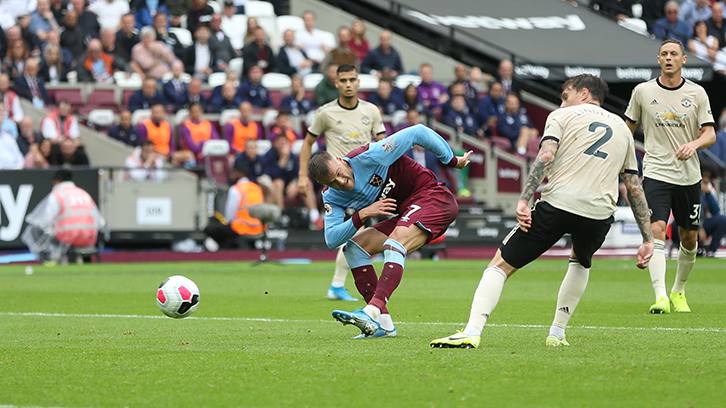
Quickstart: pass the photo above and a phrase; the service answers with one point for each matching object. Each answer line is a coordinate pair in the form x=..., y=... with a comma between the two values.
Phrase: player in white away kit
x=672, y=111
x=348, y=123
x=583, y=150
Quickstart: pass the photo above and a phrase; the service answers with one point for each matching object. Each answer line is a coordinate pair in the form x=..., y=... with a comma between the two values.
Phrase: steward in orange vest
x=195, y=131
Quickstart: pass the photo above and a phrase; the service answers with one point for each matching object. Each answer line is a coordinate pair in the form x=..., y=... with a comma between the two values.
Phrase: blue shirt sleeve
x=337, y=231
x=390, y=149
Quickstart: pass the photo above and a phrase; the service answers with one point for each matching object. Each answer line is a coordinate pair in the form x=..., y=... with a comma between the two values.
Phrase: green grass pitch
x=92, y=336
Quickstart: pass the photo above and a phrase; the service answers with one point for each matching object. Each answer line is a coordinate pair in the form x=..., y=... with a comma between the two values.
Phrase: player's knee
x=355, y=254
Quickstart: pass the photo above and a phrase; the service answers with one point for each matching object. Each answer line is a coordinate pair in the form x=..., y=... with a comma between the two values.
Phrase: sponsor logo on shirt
x=670, y=118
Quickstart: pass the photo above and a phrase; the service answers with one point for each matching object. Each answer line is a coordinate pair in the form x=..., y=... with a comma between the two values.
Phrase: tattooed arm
x=540, y=168
x=639, y=205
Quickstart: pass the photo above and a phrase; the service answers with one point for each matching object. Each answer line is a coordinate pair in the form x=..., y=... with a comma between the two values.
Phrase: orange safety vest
x=289, y=133
x=250, y=194
x=55, y=118
x=242, y=133
x=201, y=132
x=9, y=99
x=160, y=135
x=76, y=224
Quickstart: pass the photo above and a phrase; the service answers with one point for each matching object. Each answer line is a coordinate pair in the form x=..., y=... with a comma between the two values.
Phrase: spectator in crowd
x=243, y=194
x=227, y=99
x=147, y=163
x=387, y=97
x=72, y=154
x=14, y=61
x=10, y=156
x=707, y=47
x=413, y=118
x=59, y=8
x=42, y=155
x=239, y=130
x=719, y=148
x=282, y=167
x=220, y=42
x=98, y=67
x=358, y=41
x=200, y=13
x=32, y=87
x=431, y=93
x=383, y=61
x=254, y=164
x=195, y=96
x=479, y=80
x=715, y=24
x=411, y=99
x=60, y=124
x=13, y=109
x=31, y=40
x=158, y=130
x=672, y=26
x=152, y=56
x=109, y=12
x=72, y=35
x=252, y=90
x=311, y=40
x=42, y=20
x=283, y=126
x=147, y=96
x=326, y=90
x=250, y=31
x=291, y=60
x=125, y=132
x=460, y=118
x=652, y=11
x=7, y=19
x=230, y=76
x=515, y=125
x=53, y=67
x=424, y=157
x=145, y=12
x=470, y=90
x=615, y=9
x=127, y=37
x=161, y=23
x=27, y=136
x=457, y=88
x=695, y=10
x=178, y=8
x=296, y=103
x=201, y=60
x=231, y=26
x=87, y=20
x=491, y=108
x=342, y=54
x=175, y=89
x=505, y=75
x=195, y=131
x=108, y=44
x=258, y=53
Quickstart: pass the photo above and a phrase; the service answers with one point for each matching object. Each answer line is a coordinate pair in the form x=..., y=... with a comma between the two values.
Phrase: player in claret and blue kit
x=378, y=180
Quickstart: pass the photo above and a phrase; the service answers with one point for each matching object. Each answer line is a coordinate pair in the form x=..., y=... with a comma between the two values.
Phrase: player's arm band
x=453, y=162
x=357, y=222
x=631, y=120
x=629, y=171
x=712, y=124
x=550, y=137
x=313, y=134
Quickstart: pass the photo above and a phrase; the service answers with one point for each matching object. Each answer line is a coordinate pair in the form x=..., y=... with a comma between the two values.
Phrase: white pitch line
x=259, y=319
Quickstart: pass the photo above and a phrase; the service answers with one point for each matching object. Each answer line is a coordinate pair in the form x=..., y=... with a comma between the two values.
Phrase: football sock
x=486, y=298
x=386, y=321
x=314, y=215
x=571, y=290
x=394, y=257
x=686, y=260
x=342, y=268
x=657, y=269
x=373, y=312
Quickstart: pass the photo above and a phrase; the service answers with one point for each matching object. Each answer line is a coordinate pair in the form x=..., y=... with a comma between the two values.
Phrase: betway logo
x=695, y=74
x=15, y=209
x=387, y=189
x=572, y=22
x=633, y=73
x=532, y=70
x=509, y=174
x=575, y=71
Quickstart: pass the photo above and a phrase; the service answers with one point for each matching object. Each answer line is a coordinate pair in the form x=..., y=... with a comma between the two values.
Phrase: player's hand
x=463, y=161
x=524, y=216
x=385, y=207
x=685, y=152
x=645, y=252
x=303, y=184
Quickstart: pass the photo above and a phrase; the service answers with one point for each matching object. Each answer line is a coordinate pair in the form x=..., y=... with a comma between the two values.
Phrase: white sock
x=341, y=268
x=571, y=290
x=485, y=300
x=314, y=215
x=386, y=322
x=657, y=269
x=337, y=283
x=686, y=260
x=373, y=312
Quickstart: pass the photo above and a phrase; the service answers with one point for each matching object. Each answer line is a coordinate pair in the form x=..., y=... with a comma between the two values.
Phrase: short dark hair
x=240, y=167
x=146, y=142
x=672, y=41
x=318, y=167
x=63, y=175
x=597, y=87
x=347, y=68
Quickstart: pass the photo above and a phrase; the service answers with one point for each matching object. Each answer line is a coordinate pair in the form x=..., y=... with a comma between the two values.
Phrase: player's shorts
x=431, y=209
x=549, y=224
x=685, y=201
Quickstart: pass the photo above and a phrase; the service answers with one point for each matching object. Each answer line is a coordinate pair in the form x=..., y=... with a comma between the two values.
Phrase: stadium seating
x=227, y=115
x=285, y=23
x=275, y=81
x=101, y=118
x=140, y=115
x=402, y=81
x=235, y=65
x=183, y=35
x=310, y=81
x=216, y=79
x=263, y=146
x=259, y=9
x=186, y=78
x=368, y=82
